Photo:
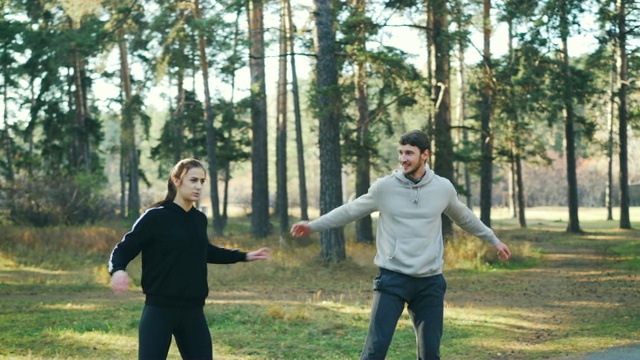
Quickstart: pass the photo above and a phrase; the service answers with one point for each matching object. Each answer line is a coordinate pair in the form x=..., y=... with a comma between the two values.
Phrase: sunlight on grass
x=496, y=318
x=73, y=306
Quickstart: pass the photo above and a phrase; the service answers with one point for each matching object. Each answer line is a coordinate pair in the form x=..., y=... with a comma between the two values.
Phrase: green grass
x=55, y=302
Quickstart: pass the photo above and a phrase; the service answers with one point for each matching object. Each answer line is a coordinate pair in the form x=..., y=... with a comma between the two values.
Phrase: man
x=409, y=246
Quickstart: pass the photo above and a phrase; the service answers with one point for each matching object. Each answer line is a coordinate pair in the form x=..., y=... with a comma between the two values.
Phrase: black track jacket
x=175, y=252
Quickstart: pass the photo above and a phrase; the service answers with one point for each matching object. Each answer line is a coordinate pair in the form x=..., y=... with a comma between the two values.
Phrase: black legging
x=187, y=325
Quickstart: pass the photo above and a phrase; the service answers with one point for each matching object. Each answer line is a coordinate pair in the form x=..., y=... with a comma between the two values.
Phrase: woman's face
x=188, y=188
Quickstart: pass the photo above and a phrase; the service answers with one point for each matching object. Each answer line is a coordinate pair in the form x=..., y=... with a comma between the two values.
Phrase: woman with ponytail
x=172, y=237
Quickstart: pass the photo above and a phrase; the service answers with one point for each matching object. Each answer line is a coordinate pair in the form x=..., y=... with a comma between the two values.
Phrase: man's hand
x=503, y=251
x=260, y=254
x=119, y=281
x=300, y=229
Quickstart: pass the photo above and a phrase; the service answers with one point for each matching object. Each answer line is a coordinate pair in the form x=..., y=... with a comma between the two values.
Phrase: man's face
x=412, y=160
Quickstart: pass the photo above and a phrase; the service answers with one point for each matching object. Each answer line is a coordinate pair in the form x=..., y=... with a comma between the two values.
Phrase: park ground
x=575, y=297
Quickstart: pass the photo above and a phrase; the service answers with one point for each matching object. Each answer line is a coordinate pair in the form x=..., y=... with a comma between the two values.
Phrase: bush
x=58, y=200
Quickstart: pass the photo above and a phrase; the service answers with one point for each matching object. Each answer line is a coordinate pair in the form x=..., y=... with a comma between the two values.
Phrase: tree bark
x=282, y=199
x=569, y=116
x=486, y=171
x=623, y=68
x=364, y=226
x=608, y=197
x=302, y=178
x=80, y=151
x=7, y=142
x=129, y=152
x=328, y=102
x=260, y=225
x=211, y=135
x=462, y=110
x=443, y=151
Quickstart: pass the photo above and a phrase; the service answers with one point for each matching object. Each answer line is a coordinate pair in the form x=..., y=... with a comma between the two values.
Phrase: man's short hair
x=416, y=138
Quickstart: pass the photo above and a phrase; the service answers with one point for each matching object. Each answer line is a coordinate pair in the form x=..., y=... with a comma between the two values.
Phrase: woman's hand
x=119, y=281
x=260, y=254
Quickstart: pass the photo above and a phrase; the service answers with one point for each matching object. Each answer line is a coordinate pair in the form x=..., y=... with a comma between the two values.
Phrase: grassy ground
x=562, y=295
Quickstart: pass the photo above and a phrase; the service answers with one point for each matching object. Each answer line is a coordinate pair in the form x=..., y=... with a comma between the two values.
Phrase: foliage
x=60, y=199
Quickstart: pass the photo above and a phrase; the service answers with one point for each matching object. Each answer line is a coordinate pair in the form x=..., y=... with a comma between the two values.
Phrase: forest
x=297, y=105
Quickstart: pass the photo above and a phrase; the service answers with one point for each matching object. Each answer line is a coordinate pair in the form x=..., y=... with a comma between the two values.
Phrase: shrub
x=58, y=200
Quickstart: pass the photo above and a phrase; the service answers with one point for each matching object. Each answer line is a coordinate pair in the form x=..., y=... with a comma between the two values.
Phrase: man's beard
x=411, y=171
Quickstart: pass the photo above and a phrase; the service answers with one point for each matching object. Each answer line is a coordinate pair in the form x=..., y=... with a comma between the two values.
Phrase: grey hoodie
x=409, y=235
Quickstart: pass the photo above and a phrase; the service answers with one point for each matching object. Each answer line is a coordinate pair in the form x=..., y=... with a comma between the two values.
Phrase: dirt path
x=569, y=284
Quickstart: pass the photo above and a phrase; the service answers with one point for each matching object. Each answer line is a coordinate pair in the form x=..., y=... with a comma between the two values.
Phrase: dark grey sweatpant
x=424, y=297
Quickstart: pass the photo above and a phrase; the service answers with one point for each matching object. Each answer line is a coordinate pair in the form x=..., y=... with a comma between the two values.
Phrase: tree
x=623, y=81
x=486, y=136
x=211, y=132
x=443, y=151
x=561, y=18
x=260, y=225
x=360, y=29
x=282, y=200
x=9, y=48
x=328, y=109
x=302, y=178
x=516, y=98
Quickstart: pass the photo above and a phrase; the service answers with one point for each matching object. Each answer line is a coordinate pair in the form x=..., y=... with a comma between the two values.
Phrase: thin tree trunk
x=302, y=178
x=282, y=199
x=623, y=68
x=574, y=223
x=431, y=77
x=520, y=193
x=517, y=144
x=227, y=169
x=608, y=197
x=443, y=165
x=129, y=152
x=486, y=171
x=260, y=225
x=328, y=100
x=6, y=135
x=462, y=114
x=364, y=226
x=211, y=135
x=80, y=148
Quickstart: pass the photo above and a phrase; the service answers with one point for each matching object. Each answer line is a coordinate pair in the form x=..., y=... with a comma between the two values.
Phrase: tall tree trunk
x=129, y=152
x=574, y=224
x=211, y=135
x=7, y=142
x=328, y=100
x=260, y=226
x=443, y=151
x=282, y=199
x=364, y=226
x=80, y=150
x=431, y=77
x=227, y=169
x=517, y=143
x=462, y=111
x=608, y=197
x=623, y=68
x=302, y=178
x=486, y=171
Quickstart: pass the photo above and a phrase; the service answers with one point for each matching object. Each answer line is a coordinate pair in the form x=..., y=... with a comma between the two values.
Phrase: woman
x=172, y=237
